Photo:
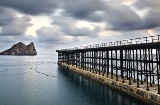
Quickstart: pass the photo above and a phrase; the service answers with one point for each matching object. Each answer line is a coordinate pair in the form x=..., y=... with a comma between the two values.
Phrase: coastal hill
x=20, y=49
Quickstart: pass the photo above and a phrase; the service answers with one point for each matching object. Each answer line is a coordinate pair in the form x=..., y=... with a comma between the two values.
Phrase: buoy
x=47, y=75
x=31, y=68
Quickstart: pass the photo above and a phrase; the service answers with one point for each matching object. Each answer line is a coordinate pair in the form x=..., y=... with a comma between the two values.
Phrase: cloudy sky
x=58, y=24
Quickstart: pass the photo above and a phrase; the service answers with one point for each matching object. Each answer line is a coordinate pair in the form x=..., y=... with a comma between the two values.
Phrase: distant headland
x=20, y=49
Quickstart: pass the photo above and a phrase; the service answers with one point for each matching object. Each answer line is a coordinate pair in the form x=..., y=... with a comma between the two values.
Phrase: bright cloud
x=53, y=24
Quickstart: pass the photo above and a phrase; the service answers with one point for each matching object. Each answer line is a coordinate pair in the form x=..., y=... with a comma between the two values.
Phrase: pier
x=131, y=66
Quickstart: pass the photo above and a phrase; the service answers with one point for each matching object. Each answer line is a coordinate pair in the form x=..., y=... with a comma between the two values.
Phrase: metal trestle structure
x=135, y=60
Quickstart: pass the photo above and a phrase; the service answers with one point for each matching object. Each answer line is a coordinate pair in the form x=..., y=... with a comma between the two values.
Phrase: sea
x=38, y=80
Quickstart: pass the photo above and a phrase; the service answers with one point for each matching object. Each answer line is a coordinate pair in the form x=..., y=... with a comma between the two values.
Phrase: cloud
x=16, y=27
x=51, y=38
x=143, y=4
x=6, y=16
x=68, y=25
x=151, y=18
x=81, y=8
x=65, y=31
x=121, y=17
x=33, y=7
x=115, y=14
x=50, y=35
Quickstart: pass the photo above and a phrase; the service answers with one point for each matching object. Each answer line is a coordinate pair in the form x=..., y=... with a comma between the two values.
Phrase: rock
x=20, y=49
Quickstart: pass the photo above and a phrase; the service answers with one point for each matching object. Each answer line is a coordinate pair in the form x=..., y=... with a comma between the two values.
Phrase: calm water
x=37, y=80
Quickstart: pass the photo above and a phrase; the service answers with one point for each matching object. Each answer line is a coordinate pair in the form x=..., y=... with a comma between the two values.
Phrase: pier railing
x=135, y=60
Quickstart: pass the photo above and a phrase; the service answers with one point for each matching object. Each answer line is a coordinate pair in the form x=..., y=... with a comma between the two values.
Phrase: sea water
x=38, y=80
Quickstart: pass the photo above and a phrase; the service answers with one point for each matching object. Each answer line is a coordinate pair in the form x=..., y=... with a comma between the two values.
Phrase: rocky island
x=20, y=49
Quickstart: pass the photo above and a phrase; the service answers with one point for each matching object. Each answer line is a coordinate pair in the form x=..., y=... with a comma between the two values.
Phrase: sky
x=59, y=24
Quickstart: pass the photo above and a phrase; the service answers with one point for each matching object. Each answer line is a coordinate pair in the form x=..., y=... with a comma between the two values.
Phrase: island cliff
x=20, y=49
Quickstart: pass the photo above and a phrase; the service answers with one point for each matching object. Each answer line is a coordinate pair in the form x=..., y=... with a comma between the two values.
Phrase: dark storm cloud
x=117, y=16
x=121, y=17
x=151, y=19
x=33, y=7
x=152, y=4
x=6, y=16
x=16, y=27
x=82, y=8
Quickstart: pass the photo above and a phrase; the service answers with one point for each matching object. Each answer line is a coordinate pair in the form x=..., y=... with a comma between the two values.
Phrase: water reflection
x=99, y=93
x=21, y=85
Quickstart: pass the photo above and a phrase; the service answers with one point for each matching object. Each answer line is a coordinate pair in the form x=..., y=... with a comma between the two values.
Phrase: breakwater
x=149, y=97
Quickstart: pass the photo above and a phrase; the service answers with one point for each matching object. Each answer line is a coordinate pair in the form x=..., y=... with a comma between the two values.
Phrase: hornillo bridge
x=131, y=66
